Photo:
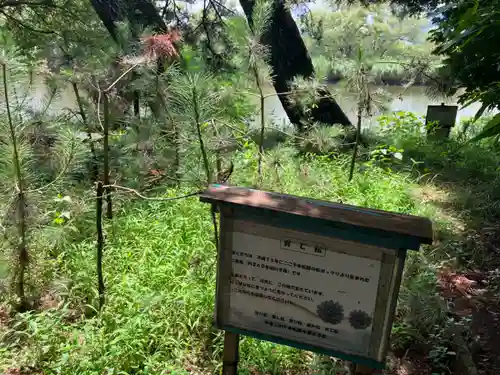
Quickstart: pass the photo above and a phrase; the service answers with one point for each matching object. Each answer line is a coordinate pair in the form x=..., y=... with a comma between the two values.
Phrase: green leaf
x=468, y=18
x=67, y=72
x=491, y=129
x=58, y=220
x=65, y=215
x=473, y=100
x=66, y=198
x=262, y=13
x=480, y=112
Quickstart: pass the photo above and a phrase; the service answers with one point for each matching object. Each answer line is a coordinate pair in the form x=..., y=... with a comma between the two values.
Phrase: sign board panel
x=297, y=285
x=305, y=288
x=445, y=117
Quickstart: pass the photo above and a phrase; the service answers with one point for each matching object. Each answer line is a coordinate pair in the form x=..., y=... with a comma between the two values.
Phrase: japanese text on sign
x=300, y=290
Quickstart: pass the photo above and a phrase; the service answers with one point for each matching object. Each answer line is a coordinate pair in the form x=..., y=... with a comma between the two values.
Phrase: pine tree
x=34, y=158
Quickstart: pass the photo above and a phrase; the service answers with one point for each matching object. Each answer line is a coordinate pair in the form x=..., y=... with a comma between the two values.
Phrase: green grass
x=160, y=264
x=160, y=277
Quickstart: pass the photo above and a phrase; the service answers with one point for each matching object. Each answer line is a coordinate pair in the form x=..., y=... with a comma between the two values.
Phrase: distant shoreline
x=382, y=81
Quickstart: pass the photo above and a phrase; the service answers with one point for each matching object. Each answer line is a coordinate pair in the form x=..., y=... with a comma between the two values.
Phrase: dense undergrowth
x=159, y=260
x=91, y=186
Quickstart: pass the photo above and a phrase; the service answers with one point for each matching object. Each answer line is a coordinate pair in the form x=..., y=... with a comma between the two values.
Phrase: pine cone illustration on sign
x=330, y=312
x=358, y=319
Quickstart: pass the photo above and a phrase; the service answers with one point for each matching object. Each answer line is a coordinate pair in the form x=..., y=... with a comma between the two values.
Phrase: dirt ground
x=475, y=295
x=486, y=326
x=411, y=364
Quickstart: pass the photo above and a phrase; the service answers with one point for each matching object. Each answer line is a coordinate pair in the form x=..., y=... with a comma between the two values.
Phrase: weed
x=159, y=270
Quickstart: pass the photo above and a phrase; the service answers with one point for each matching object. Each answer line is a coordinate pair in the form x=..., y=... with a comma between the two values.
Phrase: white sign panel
x=303, y=291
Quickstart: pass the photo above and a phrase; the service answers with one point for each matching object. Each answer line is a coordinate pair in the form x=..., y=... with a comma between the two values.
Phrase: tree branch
x=61, y=172
x=22, y=24
x=133, y=191
x=120, y=77
x=15, y=3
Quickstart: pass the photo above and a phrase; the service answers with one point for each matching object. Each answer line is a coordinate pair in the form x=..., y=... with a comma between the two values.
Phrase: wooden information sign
x=310, y=274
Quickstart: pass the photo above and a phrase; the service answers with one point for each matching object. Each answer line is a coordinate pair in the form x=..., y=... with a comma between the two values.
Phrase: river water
x=412, y=99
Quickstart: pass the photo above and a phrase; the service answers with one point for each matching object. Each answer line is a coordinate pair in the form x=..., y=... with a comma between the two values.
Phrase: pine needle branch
x=61, y=173
x=12, y=130
x=200, y=137
x=105, y=145
x=233, y=128
x=22, y=248
x=262, y=122
x=135, y=192
x=121, y=77
x=94, y=171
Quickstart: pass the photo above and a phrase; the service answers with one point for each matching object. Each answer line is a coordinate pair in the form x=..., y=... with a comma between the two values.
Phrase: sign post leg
x=230, y=356
x=363, y=370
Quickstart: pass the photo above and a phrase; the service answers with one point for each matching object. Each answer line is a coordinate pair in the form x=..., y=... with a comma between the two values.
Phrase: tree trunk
x=290, y=59
x=140, y=13
x=100, y=244
x=289, y=56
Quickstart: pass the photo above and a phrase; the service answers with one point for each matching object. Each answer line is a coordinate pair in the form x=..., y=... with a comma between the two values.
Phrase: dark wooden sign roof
x=357, y=216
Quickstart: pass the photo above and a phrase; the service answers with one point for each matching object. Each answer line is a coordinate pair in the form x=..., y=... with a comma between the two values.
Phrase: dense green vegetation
x=396, y=49
x=160, y=260
x=107, y=259
x=468, y=31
